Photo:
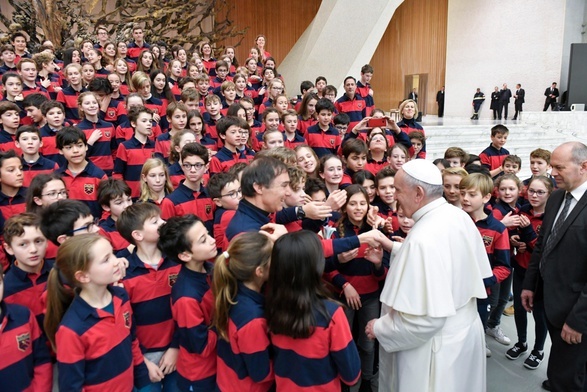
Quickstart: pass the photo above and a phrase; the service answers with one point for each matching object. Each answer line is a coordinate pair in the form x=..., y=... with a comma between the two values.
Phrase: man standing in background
x=504, y=100
x=478, y=99
x=518, y=101
x=440, y=102
x=551, y=94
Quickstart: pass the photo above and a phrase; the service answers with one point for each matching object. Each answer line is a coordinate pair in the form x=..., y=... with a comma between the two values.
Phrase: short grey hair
x=431, y=191
x=578, y=153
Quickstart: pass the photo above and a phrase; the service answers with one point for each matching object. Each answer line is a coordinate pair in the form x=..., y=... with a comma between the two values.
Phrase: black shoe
x=514, y=118
x=473, y=117
x=516, y=351
x=546, y=385
x=534, y=360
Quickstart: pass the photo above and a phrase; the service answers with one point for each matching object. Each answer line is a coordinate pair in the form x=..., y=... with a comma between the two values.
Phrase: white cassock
x=430, y=335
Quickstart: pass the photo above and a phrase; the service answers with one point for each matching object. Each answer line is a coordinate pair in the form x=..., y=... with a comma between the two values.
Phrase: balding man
x=430, y=335
x=558, y=269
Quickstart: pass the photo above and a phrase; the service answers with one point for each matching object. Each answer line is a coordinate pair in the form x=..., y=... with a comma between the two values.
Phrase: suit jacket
x=562, y=277
x=413, y=96
x=520, y=93
x=440, y=97
x=505, y=95
x=547, y=93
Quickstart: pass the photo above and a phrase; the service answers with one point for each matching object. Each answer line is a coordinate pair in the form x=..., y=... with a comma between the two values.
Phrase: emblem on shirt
x=208, y=209
x=111, y=113
x=487, y=240
x=360, y=105
x=172, y=278
x=126, y=316
x=538, y=229
x=107, y=134
x=23, y=341
x=89, y=189
x=332, y=142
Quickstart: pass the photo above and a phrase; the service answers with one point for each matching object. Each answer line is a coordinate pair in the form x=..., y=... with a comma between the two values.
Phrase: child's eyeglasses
x=190, y=166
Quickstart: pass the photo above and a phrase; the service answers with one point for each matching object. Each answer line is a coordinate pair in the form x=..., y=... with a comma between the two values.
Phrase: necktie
x=558, y=224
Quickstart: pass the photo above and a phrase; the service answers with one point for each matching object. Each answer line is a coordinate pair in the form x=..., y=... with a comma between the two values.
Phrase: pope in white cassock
x=430, y=335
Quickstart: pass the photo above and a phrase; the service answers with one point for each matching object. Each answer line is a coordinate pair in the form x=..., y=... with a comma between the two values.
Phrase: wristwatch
x=300, y=214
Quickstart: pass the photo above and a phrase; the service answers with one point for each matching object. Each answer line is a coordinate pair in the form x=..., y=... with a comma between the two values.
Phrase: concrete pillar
x=340, y=40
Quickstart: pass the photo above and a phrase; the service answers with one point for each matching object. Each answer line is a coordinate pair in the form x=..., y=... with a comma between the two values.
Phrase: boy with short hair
x=132, y=154
x=184, y=239
x=323, y=138
x=203, y=87
x=364, y=87
x=190, y=98
x=114, y=198
x=68, y=95
x=177, y=115
x=19, y=42
x=512, y=164
x=54, y=114
x=75, y=218
x=290, y=125
x=12, y=193
x=28, y=139
x=297, y=196
x=148, y=281
x=225, y=191
x=228, y=93
x=213, y=106
x=8, y=56
x=539, y=165
x=221, y=76
x=456, y=156
x=492, y=157
x=385, y=200
x=306, y=86
x=28, y=70
x=475, y=193
x=354, y=157
x=229, y=130
x=191, y=196
x=9, y=123
x=25, y=281
x=27, y=361
x=341, y=123
x=417, y=139
x=81, y=176
x=32, y=105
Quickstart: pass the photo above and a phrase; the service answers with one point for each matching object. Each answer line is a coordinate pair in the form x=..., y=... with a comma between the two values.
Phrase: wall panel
x=414, y=43
x=282, y=23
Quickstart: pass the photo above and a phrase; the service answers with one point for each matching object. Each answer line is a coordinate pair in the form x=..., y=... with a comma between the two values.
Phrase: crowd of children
x=120, y=172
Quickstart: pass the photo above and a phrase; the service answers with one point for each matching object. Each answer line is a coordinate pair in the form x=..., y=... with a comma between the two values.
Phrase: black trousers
x=566, y=365
x=503, y=108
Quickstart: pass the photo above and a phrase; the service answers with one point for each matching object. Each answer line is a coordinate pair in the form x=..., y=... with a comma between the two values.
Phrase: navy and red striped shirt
x=98, y=350
x=183, y=201
x=492, y=158
x=26, y=289
x=192, y=305
x=83, y=186
x=355, y=108
x=225, y=159
x=130, y=157
x=149, y=290
x=49, y=149
x=68, y=97
x=323, y=142
x=108, y=230
x=101, y=152
x=32, y=169
x=363, y=91
x=497, y=246
x=245, y=360
x=25, y=363
x=323, y=360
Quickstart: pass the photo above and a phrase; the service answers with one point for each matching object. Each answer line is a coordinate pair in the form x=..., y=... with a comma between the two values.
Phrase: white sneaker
x=498, y=335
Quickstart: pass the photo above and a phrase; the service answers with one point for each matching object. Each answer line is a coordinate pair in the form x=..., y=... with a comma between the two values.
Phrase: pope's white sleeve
x=397, y=331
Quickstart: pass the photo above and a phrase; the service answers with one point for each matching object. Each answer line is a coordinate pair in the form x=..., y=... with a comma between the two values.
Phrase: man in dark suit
x=413, y=95
x=440, y=101
x=551, y=95
x=505, y=94
x=518, y=101
x=557, y=273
